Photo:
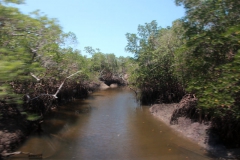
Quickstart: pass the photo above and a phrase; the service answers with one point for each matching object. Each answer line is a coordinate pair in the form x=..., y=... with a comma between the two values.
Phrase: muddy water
x=109, y=125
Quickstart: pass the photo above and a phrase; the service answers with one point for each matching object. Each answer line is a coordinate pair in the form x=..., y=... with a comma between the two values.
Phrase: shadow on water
x=110, y=126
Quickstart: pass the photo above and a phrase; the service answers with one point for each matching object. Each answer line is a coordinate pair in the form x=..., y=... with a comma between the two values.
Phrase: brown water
x=109, y=125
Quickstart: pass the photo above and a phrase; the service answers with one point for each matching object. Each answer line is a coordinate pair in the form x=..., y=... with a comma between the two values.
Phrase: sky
x=103, y=23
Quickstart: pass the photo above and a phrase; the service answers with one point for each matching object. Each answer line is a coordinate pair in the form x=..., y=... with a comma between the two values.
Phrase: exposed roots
x=186, y=108
x=226, y=127
x=109, y=78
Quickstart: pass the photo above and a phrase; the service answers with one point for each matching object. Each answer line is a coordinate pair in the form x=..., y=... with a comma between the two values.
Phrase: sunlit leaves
x=155, y=51
x=28, y=44
x=212, y=61
x=224, y=91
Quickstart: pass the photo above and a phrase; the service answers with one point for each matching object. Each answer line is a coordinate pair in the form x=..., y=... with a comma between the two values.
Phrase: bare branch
x=35, y=77
x=54, y=95
x=73, y=74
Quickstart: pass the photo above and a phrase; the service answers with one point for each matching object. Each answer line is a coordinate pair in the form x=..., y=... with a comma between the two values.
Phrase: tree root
x=186, y=108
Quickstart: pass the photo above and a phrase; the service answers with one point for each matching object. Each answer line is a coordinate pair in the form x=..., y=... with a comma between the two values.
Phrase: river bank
x=15, y=126
x=199, y=133
x=114, y=127
x=14, y=129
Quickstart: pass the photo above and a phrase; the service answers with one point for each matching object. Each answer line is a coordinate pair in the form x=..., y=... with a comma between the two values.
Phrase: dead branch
x=73, y=74
x=59, y=88
x=55, y=95
x=34, y=76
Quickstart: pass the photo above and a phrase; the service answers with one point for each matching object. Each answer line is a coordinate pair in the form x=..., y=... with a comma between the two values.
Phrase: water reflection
x=114, y=128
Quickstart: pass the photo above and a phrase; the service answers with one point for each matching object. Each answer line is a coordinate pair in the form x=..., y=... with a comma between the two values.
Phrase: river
x=108, y=125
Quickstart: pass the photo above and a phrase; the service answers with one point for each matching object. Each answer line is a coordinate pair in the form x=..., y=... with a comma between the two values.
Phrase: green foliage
x=211, y=54
x=33, y=44
x=106, y=62
x=23, y=39
x=199, y=54
x=12, y=1
x=32, y=117
x=223, y=92
x=72, y=61
x=36, y=45
x=155, y=52
x=39, y=67
x=12, y=67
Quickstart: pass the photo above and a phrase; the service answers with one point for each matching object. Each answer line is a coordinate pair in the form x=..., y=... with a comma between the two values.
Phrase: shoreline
x=194, y=131
x=13, y=132
x=15, y=129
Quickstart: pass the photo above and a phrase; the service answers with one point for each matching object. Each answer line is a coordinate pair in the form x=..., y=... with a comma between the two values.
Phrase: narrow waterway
x=109, y=125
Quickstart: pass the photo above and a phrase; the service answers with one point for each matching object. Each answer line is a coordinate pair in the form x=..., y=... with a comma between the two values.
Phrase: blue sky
x=104, y=23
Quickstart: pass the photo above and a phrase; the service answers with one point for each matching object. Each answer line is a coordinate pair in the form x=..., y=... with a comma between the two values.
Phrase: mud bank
x=199, y=133
x=104, y=86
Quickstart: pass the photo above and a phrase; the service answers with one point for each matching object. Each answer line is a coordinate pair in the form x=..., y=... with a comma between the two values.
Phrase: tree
x=29, y=45
x=15, y=59
x=155, y=55
x=205, y=24
x=212, y=54
x=212, y=42
x=90, y=50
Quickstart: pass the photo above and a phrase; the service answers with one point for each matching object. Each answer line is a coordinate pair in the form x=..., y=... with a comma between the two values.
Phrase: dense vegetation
x=154, y=49
x=200, y=55
x=39, y=69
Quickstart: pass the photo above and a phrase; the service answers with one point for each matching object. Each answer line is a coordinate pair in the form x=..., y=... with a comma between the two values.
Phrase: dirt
x=103, y=86
x=114, y=85
x=199, y=133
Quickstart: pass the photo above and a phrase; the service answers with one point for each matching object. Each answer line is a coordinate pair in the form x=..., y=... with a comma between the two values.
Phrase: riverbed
x=109, y=124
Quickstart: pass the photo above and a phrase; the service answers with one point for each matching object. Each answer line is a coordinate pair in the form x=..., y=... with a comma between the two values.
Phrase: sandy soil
x=103, y=86
x=197, y=132
x=114, y=85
